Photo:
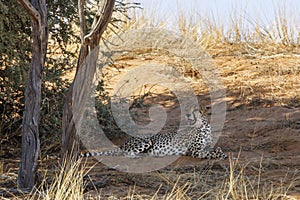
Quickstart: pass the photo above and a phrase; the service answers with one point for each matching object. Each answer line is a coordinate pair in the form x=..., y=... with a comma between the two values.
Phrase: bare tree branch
x=102, y=18
x=86, y=66
x=31, y=116
x=83, y=30
x=31, y=11
x=82, y=20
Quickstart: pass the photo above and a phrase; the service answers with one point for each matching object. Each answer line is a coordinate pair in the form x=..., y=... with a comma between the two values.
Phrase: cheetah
x=193, y=140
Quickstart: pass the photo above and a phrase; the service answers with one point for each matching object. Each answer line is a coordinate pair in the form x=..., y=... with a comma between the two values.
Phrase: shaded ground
x=265, y=142
x=261, y=130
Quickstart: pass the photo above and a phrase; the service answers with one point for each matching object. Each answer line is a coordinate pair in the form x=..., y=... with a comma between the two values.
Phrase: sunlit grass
x=239, y=186
x=256, y=39
x=209, y=30
x=67, y=183
x=236, y=185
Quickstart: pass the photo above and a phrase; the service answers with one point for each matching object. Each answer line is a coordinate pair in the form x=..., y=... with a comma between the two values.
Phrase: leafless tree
x=37, y=11
x=86, y=63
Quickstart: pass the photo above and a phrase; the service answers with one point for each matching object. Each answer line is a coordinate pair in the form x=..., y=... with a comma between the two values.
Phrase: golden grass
x=263, y=44
x=266, y=63
x=239, y=186
x=256, y=60
x=236, y=185
x=209, y=30
x=66, y=184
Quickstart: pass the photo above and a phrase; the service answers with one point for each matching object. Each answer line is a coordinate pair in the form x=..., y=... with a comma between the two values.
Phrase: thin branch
x=102, y=18
x=33, y=13
x=82, y=20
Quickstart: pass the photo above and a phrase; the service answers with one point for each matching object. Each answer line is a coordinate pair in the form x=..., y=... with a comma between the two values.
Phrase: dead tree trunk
x=30, y=125
x=78, y=93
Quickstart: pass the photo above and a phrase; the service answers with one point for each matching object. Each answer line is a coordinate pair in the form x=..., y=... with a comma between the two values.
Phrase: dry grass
x=240, y=186
x=255, y=62
x=236, y=185
x=67, y=183
x=210, y=31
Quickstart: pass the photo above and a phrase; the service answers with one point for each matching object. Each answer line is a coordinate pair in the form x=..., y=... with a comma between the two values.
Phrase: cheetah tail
x=114, y=152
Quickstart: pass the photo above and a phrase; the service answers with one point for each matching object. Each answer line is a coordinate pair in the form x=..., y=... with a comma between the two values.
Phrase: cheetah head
x=195, y=116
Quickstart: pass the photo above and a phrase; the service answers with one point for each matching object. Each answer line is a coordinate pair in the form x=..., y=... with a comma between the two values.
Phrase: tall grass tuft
x=240, y=186
x=209, y=30
x=66, y=184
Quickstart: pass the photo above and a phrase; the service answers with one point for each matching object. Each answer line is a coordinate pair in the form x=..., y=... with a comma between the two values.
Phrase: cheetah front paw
x=219, y=154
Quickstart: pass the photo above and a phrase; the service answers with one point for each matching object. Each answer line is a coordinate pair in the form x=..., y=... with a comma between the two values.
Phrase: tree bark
x=86, y=66
x=31, y=116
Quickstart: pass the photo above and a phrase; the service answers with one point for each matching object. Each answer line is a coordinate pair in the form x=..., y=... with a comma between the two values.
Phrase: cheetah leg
x=220, y=154
x=215, y=154
x=132, y=154
x=137, y=149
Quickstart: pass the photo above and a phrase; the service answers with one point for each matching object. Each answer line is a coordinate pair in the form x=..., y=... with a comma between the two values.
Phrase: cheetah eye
x=195, y=110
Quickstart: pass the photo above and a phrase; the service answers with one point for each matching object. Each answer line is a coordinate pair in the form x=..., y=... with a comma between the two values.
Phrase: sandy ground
x=261, y=130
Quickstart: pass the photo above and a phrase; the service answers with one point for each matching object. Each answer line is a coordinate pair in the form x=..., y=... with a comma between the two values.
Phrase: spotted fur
x=193, y=140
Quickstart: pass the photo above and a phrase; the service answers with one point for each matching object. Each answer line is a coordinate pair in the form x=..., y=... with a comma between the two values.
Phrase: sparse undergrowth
x=259, y=67
x=233, y=180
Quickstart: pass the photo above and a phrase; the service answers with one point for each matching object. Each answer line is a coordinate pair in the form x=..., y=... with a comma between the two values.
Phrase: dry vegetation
x=260, y=69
